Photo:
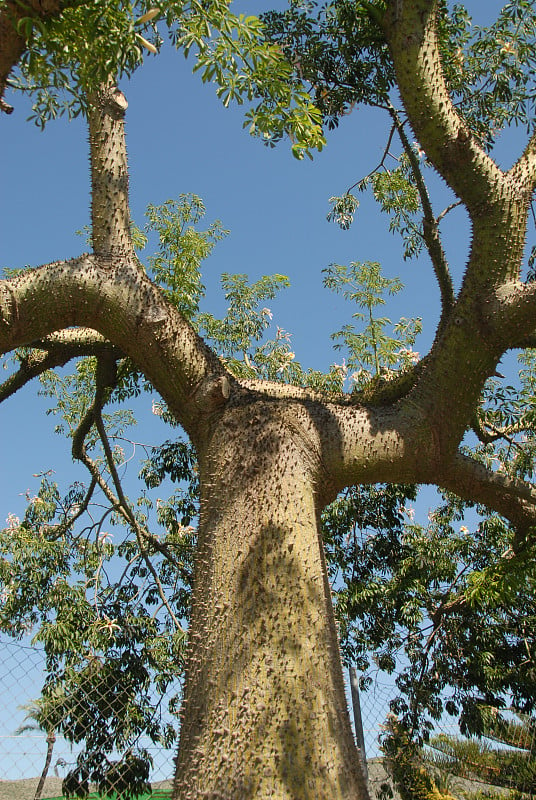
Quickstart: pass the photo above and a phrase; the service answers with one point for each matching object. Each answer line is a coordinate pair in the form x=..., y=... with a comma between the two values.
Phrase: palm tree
x=36, y=710
x=504, y=755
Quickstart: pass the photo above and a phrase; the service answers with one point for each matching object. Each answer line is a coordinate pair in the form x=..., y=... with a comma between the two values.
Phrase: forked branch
x=127, y=309
x=524, y=171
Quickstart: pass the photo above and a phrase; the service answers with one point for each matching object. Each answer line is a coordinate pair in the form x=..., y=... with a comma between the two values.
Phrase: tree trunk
x=51, y=740
x=264, y=714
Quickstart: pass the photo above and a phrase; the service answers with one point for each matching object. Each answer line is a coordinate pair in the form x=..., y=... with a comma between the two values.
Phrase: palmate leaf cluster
x=338, y=49
x=68, y=57
x=88, y=598
x=395, y=192
x=372, y=353
x=448, y=610
x=176, y=266
x=490, y=71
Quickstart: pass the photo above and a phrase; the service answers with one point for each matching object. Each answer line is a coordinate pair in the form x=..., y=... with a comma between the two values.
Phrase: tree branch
x=410, y=30
x=488, y=433
x=525, y=342
x=110, y=214
x=62, y=527
x=381, y=163
x=515, y=314
x=513, y=499
x=142, y=534
x=431, y=235
x=127, y=309
x=12, y=42
x=524, y=170
x=55, y=351
x=105, y=380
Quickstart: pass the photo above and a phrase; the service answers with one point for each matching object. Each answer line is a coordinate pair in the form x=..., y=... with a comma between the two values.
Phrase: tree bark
x=264, y=712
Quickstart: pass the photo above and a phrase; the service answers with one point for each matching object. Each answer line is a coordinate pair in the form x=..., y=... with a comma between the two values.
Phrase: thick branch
x=410, y=30
x=492, y=314
x=511, y=498
x=110, y=215
x=128, y=310
x=13, y=42
x=468, y=347
x=515, y=317
x=524, y=171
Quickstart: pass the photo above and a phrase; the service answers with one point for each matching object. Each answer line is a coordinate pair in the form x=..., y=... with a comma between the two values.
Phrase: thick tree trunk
x=264, y=713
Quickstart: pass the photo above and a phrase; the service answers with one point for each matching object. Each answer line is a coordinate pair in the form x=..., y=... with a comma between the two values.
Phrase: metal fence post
x=358, y=722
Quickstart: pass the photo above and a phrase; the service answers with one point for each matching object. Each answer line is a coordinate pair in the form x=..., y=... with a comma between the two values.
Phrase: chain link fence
x=34, y=761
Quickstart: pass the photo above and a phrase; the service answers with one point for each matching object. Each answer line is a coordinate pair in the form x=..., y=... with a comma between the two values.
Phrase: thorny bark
x=264, y=708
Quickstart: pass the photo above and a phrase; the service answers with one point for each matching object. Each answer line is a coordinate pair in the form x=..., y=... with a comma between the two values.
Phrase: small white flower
x=12, y=521
x=508, y=48
x=342, y=369
x=109, y=625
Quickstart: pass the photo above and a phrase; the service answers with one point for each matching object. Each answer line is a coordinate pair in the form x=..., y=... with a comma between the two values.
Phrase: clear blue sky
x=181, y=139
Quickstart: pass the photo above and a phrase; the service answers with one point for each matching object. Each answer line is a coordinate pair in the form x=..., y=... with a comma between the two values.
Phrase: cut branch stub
x=214, y=392
x=110, y=214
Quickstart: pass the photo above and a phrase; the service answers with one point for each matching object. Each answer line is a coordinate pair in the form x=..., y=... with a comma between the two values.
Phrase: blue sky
x=181, y=139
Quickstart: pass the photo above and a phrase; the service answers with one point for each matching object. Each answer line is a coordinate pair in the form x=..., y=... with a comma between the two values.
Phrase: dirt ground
x=25, y=789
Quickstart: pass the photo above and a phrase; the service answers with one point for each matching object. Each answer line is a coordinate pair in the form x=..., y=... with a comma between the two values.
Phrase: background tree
x=259, y=687
x=504, y=758
x=37, y=718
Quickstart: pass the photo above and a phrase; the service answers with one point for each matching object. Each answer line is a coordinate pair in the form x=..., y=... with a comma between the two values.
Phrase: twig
x=430, y=226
